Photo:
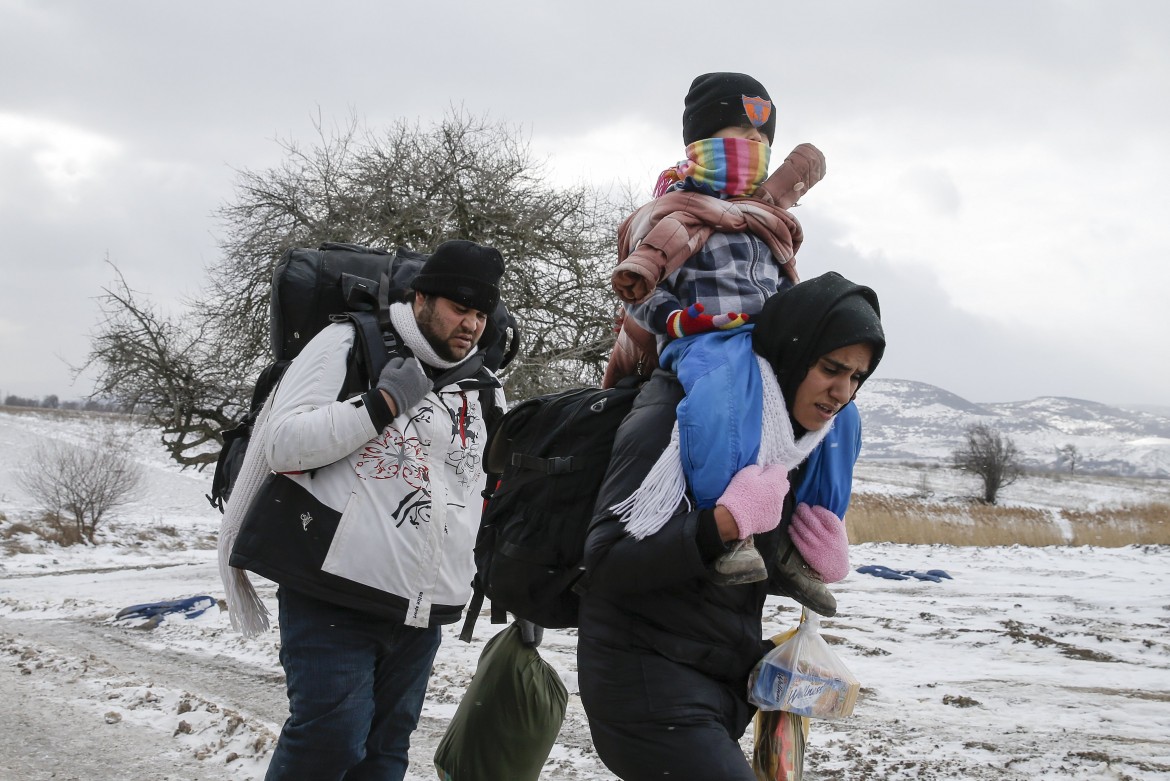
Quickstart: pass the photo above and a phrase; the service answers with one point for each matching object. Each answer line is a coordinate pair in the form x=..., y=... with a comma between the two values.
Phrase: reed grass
x=879, y=518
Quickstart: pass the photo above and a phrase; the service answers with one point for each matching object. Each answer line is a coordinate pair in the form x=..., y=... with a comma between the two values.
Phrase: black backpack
x=551, y=453
x=314, y=287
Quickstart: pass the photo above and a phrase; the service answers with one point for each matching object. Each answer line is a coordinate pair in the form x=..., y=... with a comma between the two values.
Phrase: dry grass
x=50, y=527
x=14, y=529
x=876, y=518
x=59, y=531
x=14, y=536
x=1147, y=524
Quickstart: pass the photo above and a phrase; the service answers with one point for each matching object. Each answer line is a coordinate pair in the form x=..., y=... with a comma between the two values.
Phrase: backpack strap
x=473, y=608
x=492, y=415
x=499, y=615
x=384, y=300
x=514, y=344
x=235, y=439
x=372, y=350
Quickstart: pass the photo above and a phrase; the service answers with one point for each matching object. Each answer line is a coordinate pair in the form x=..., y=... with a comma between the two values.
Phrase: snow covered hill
x=913, y=421
x=1028, y=663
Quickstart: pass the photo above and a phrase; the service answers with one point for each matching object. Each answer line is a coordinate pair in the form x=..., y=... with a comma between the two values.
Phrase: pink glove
x=820, y=537
x=692, y=320
x=755, y=498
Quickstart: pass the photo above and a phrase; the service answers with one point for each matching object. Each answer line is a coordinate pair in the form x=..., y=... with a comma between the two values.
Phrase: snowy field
x=1029, y=663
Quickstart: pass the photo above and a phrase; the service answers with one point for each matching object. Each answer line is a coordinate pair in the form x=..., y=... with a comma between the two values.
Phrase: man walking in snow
x=390, y=478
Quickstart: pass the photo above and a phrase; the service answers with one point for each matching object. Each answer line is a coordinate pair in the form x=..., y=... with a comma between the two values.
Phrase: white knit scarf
x=402, y=318
x=648, y=508
x=246, y=611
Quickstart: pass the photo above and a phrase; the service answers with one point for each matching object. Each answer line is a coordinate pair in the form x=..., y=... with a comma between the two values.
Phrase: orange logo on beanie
x=757, y=109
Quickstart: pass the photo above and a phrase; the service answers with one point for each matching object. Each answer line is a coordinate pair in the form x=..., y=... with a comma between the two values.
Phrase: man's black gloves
x=405, y=381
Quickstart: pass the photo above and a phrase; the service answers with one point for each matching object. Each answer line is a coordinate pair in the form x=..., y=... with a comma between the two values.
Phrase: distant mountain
x=913, y=421
x=1162, y=410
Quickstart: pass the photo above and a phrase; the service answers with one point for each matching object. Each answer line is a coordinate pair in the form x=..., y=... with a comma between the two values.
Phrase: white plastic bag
x=804, y=676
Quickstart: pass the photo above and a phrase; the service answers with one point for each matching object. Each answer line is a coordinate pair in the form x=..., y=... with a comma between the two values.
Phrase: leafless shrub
x=86, y=481
x=991, y=456
x=1070, y=455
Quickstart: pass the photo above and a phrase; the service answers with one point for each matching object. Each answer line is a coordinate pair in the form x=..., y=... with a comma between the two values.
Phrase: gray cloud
x=140, y=112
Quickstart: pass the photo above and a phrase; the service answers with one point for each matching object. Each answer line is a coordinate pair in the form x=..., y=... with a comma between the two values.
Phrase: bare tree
x=994, y=458
x=409, y=186
x=168, y=368
x=1068, y=454
x=85, y=480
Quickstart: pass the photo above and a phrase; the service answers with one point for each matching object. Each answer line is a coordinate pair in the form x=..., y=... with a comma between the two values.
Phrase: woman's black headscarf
x=799, y=325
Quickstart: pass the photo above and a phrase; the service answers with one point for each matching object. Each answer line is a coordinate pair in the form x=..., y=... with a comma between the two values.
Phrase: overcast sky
x=997, y=171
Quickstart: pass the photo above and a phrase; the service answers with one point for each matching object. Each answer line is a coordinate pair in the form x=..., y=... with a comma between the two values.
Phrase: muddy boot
x=801, y=582
x=742, y=564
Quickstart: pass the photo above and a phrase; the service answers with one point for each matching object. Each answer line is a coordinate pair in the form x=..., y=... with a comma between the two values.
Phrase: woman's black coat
x=654, y=595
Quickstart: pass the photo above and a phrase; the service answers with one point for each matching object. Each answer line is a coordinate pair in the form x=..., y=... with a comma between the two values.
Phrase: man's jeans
x=356, y=685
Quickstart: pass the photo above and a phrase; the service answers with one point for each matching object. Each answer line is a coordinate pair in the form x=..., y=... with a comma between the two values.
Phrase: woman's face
x=830, y=384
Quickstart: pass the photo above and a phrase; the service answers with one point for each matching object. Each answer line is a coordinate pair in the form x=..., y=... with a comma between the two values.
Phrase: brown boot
x=801, y=582
x=742, y=564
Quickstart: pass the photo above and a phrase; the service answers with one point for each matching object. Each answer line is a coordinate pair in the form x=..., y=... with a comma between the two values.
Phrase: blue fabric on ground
x=922, y=575
x=188, y=606
x=882, y=572
x=879, y=571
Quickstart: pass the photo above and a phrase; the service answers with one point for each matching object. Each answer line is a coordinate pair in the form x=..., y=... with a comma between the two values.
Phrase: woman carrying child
x=664, y=651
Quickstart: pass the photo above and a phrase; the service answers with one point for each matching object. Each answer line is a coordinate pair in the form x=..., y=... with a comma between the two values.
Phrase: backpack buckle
x=560, y=465
x=557, y=465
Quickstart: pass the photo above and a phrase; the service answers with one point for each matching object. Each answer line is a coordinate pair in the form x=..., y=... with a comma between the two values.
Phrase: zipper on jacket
x=463, y=420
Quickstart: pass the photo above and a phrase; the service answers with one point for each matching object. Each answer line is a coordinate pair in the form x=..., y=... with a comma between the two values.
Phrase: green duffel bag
x=509, y=718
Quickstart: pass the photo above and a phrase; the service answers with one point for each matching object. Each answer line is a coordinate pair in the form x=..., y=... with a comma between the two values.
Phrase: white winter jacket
x=409, y=495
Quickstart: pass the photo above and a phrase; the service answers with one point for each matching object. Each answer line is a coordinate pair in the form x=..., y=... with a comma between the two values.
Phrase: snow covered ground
x=1029, y=663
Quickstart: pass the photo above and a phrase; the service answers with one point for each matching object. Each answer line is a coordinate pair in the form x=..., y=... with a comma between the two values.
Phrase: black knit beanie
x=719, y=100
x=465, y=272
x=800, y=324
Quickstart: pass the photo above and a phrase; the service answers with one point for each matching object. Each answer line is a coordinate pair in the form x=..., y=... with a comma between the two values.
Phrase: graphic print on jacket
x=401, y=455
x=465, y=453
x=413, y=504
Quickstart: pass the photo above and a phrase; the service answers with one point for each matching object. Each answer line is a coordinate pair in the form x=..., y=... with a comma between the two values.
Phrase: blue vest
x=719, y=422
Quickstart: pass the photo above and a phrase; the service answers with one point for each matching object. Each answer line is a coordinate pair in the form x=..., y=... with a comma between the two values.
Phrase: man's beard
x=426, y=320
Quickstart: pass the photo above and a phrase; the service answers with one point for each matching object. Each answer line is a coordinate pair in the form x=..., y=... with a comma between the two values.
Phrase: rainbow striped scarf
x=729, y=166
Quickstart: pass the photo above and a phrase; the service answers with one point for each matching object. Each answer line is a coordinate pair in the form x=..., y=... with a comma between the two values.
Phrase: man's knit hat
x=465, y=272
x=799, y=325
x=719, y=100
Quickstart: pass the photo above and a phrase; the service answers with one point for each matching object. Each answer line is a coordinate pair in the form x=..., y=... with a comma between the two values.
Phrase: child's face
x=736, y=131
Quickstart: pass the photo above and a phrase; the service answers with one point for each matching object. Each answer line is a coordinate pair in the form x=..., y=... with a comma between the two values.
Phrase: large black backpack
x=314, y=287
x=551, y=453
